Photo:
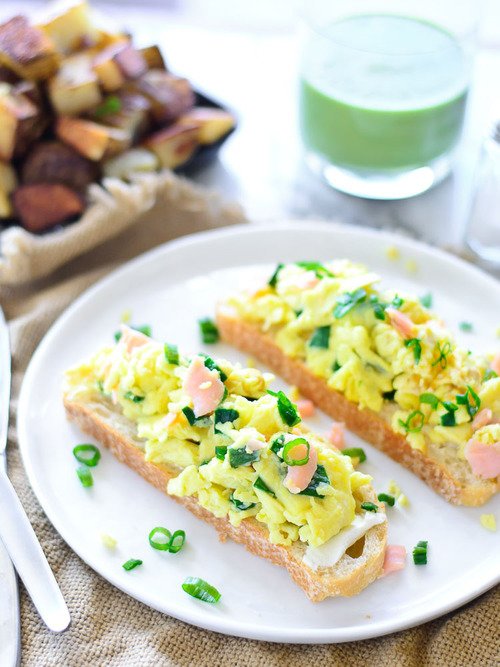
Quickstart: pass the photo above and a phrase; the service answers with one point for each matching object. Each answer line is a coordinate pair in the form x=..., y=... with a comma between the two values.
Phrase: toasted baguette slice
x=103, y=421
x=448, y=475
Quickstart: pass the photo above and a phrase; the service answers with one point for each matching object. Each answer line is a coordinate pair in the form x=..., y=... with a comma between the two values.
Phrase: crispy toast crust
x=347, y=578
x=364, y=422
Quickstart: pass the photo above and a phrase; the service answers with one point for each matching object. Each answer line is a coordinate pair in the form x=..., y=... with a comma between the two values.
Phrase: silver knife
x=10, y=631
x=16, y=532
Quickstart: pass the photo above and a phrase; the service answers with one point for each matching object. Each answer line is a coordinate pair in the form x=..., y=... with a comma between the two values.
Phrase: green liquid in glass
x=382, y=92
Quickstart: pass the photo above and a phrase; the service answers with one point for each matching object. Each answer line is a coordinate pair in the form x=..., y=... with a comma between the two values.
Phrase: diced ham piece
x=204, y=387
x=306, y=280
x=337, y=435
x=495, y=364
x=483, y=418
x=395, y=557
x=306, y=408
x=298, y=477
x=401, y=322
x=131, y=338
x=254, y=445
x=483, y=459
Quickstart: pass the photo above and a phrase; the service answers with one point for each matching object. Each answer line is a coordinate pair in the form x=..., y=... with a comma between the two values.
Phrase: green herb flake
x=320, y=338
x=387, y=499
x=369, y=507
x=171, y=354
x=212, y=366
x=141, y=328
x=85, y=476
x=489, y=374
x=288, y=411
x=389, y=395
x=131, y=564
x=273, y=280
x=320, y=270
x=111, y=105
x=467, y=327
x=208, y=331
x=397, y=302
x=262, y=486
x=416, y=344
x=448, y=418
x=426, y=300
x=336, y=366
x=414, y=423
x=277, y=444
x=220, y=452
x=240, y=457
x=201, y=590
x=241, y=506
x=430, y=399
x=420, y=553
x=443, y=352
x=355, y=453
x=471, y=401
x=130, y=396
x=347, y=301
x=223, y=416
x=319, y=477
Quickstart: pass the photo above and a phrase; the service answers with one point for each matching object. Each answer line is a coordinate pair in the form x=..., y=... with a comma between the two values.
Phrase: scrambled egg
x=383, y=350
x=212, y=453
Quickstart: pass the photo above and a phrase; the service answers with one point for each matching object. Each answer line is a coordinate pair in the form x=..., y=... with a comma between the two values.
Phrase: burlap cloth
x=110, y=628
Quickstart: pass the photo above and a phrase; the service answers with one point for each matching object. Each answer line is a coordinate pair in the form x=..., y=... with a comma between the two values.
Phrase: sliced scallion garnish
x=465, y=326
x=142, y=328
x=240, y=457
x=277, y=444
x=287, y=453
x=89, y=455
x=319, y=477
x=369, y=507
x=171, y=354
x=387, y=499
x=443, y=352
x=347, y=301
x=131, y=564
x=159, y=538
x=177, y=541
x=223, y=416
x=112, y=104
x=320, y=270
x=389, y=395
x=414, y=422
x=211, y=365
x=262, y=486
x=130, y=396
x=241, y=506
x=274, y=278
x=220, y=452
x=420, y=553
x=208, y=330
x=416, y=344
x=426, y=300
x=429, y=399
x=489, y=373
x=471, y=401
x=354, y=453
x=201, y=589
x=288, y=411
x=397, y=302
x=85, y=476
x=320, y=337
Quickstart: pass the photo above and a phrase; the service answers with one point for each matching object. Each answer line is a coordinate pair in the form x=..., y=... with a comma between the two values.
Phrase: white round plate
x=170, y=288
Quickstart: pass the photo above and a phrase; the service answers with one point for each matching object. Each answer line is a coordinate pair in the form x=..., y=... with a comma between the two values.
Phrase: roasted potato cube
x=212, y=123
x=153, y=57
x=20, y=123
x=173, y=145
x=44, y=205
x=54, y=162
x=92, y=140
x=8, y=182
x=129, y=112
x=75, y=87
x=170, y=96
x=71, y=27
x=131, y=162
x=26, y=50
x=107, y=70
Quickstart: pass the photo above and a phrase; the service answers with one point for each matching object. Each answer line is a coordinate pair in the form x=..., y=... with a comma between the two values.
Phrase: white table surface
x=245, y=54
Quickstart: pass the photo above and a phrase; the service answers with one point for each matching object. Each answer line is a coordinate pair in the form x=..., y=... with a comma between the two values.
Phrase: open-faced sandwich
x=216, y=439
x=382, y=363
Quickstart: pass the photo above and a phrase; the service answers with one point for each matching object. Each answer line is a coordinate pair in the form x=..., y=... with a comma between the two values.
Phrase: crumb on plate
x=392, y=253
x=488, y=521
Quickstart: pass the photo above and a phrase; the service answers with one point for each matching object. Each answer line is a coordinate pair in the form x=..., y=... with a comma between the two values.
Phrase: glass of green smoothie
x=383, y=91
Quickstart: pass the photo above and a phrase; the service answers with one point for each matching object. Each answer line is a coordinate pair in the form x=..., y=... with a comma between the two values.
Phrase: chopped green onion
x=465, y=326
x=397, y=302
x=241, y=506
x=347, y=302
x=111, y=105
x=417, y=348
x=262, y=486
x=131, y=564
x=201, y=589
x=449, y=406
x=130, y=396
x=142, y=328
x=240, y=457
x=274, y=278
x=426, y=300
x=319, y=477
x=287, y=452
x=211, y=365
x=379, y=311
x=489, y=373
x=220, y=452
x=389, y=395
x=171, y=354
x=430, y=399
x=320, y=270
x=369, y=507
x=320, y=337
x=420, y=553
x=208, y=330
x=298, y=312
x=223, y=416
x=444, y=351
x=414, y=422
x=288, y=411
x=471, y=405
x=355, y=453
x=193, y=420
x=177, y=541
x=448, y=419
x=89, y=455
x=277, y=444
x=159, y=538
x=386, y=498
x=85, y=476
x=336, y=366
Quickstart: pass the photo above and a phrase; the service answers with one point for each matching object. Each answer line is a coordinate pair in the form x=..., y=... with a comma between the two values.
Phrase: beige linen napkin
x=110, y=628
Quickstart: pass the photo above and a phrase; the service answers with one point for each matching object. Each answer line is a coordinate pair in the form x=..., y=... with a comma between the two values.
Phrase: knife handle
x=29, y=560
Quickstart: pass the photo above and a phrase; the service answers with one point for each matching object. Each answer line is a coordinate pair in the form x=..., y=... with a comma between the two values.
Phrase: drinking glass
x=383, y=91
